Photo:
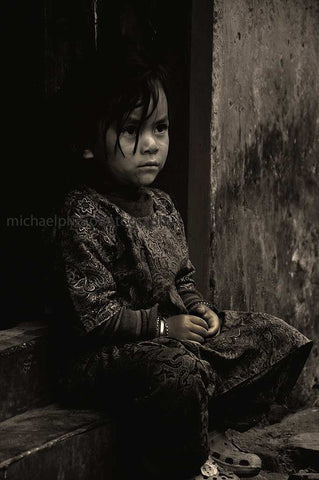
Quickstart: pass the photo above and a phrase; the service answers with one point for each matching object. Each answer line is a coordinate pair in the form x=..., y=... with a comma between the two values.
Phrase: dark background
x=43, y=41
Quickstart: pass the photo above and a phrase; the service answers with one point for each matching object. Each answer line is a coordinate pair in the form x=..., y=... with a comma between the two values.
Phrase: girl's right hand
x=187, y=327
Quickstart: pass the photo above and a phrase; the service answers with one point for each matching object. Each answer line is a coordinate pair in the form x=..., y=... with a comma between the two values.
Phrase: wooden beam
x=199, y=176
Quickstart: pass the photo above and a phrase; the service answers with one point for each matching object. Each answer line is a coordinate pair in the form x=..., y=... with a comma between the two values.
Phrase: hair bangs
x=146, y=96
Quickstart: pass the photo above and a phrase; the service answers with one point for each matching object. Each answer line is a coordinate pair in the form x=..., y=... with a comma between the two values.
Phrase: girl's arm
x=194, y=301
x=184, y=281
x=92, y=289
x=186, y=287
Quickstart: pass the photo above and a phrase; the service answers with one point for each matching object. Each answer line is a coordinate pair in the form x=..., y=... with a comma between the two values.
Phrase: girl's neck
x=129, y=192
x=135, y=200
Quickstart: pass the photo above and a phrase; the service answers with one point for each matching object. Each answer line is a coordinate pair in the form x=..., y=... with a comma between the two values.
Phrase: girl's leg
x=257, y=359
x=160, y=394
x=246, y=405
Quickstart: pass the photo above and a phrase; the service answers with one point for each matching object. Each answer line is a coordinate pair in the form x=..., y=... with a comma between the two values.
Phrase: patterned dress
x=121, y=266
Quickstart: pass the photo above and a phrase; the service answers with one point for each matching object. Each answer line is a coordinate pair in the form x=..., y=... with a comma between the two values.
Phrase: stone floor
x=285, y=447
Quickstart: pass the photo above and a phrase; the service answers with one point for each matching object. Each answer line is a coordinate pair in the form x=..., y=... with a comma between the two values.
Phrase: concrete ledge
x=58, y=444
x=24, y=378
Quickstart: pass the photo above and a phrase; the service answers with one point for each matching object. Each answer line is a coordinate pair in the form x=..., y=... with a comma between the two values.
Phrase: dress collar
x=134, y=200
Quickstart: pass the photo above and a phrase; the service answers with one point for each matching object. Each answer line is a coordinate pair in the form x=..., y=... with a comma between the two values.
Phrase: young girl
x=140, y=340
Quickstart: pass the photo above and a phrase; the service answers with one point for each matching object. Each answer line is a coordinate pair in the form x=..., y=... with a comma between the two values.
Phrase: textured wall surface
x=265, y=163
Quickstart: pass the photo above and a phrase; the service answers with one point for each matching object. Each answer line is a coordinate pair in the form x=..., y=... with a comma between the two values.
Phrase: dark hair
x=105, y=93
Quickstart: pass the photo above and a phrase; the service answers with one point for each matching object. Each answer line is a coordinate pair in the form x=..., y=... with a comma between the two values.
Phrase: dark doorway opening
x=45, y=38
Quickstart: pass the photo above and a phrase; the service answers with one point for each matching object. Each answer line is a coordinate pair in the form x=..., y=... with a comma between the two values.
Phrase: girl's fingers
x=194, y=342
x=212, y=332
x=196, y=338
x=198, y=321
x=203, y=332
x=214, y=329
x=214, y=324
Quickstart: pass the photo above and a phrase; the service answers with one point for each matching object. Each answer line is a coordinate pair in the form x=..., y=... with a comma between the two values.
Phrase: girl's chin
x=147, y=179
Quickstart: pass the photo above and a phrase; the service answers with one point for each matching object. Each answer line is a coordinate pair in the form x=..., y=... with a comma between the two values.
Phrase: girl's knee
x=179, y=375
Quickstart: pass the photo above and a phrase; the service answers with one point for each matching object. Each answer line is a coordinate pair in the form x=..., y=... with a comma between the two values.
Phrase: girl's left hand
x=212, y=319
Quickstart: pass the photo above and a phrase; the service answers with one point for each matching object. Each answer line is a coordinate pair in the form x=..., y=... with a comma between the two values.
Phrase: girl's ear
x=87, y=154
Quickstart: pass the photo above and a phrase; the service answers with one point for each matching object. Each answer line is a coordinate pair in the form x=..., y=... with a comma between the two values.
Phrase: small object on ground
x=209, y=468
x=224, y=476
x=210, y=471
x=227, y=455
x=218, y=476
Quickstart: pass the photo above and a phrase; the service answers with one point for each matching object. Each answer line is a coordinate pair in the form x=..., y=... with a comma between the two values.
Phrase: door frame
x=199, y=212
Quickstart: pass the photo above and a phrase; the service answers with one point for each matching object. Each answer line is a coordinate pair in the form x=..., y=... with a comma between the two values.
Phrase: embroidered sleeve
x=87, y=253
x=184, y=280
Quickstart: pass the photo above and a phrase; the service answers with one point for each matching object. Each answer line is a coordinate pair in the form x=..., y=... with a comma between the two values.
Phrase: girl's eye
x=161, y=128
x=129, y=130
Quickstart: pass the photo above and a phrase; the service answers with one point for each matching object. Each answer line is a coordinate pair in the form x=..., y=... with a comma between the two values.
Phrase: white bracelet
x=162, y=327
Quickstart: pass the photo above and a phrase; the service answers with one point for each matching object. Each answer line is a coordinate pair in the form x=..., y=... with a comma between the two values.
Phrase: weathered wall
x=265, y=162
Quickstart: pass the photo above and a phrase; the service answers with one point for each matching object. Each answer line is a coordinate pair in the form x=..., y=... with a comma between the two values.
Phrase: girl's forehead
x=160, y=111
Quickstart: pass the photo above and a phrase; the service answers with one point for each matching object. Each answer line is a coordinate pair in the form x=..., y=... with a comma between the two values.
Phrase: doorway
x=51, y=36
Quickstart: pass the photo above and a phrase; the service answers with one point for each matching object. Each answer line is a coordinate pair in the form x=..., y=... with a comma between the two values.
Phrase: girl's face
x=143, y=166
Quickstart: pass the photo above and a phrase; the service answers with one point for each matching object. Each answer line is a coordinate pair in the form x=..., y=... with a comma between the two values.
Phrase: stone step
x=24, y=378
x=53, y=443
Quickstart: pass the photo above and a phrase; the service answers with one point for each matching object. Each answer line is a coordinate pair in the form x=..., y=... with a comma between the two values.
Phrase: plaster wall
x=265, y=164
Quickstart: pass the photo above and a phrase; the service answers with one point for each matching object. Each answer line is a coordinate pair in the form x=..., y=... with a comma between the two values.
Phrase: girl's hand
x=212, y=319
x=187, y=327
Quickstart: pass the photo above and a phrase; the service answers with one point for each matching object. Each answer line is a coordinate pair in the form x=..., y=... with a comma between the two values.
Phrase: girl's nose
x=149, y=144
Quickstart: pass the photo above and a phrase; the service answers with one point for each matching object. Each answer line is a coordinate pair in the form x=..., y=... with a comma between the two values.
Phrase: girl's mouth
x=149, y=165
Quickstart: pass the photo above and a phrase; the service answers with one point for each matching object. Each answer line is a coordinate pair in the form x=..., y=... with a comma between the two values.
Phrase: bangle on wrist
x=165, y=327
x=162, y=326
x=158, y=326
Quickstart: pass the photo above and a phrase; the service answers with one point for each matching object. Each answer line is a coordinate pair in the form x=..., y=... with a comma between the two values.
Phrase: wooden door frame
x=199, y=212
